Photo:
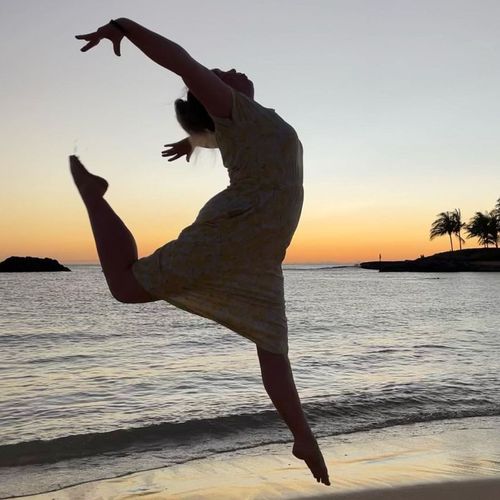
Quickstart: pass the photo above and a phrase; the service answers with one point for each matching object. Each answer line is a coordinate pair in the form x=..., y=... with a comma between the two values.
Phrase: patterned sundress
x=226, y=266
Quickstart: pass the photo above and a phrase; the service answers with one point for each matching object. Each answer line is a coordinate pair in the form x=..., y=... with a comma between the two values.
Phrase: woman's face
x=238, y=81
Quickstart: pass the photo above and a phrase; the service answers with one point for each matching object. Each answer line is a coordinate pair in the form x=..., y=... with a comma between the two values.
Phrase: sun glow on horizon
x=397, y=111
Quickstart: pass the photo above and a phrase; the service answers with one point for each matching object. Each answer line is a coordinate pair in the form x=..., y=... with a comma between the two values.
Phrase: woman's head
x=192, y=115
x=239, y=81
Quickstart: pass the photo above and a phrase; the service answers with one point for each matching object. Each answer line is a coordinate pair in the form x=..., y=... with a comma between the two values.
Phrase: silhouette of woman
x=226, y=266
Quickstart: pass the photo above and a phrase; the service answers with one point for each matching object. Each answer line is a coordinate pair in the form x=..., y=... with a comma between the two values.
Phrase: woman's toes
x=88, y=184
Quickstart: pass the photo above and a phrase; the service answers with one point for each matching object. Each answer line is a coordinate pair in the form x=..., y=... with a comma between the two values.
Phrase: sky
x=395, y=102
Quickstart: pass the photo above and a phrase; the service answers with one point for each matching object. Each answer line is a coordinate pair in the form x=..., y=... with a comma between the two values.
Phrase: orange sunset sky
x=395, y=102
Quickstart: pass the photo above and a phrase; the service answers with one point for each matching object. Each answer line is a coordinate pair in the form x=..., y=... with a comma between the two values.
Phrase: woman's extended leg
x=280, y=386
x=115, y=244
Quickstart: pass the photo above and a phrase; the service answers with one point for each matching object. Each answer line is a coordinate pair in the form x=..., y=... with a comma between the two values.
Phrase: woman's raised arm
x=210, y=90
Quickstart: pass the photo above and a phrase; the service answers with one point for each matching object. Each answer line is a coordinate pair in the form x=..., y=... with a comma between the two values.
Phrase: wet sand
x=454, y=459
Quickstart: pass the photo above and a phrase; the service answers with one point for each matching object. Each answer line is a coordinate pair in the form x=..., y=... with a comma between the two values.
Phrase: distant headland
x=475, y=259
x=30, y=265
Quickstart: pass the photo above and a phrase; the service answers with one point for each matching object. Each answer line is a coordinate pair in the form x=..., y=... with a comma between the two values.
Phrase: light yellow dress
x=226, y=266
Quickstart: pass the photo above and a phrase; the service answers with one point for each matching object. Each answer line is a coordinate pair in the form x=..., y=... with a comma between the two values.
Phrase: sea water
x=92, y=388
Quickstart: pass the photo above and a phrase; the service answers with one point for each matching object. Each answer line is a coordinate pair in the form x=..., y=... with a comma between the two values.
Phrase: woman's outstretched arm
x=210, y=90
x=159, y=49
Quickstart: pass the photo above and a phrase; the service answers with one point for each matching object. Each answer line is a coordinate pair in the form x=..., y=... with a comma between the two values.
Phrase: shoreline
x=440, y=459
x=468, y=260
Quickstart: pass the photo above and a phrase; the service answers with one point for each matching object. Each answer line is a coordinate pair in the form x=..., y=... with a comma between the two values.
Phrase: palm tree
x=495, y=226
x=444, y=224
x=484, y=227
x=496, y=229
x=459, y=225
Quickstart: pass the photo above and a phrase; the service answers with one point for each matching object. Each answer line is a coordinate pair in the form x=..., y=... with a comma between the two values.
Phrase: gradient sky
x=395, y=101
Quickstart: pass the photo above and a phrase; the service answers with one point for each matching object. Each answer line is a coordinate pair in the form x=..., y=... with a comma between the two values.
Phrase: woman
x=226, y=266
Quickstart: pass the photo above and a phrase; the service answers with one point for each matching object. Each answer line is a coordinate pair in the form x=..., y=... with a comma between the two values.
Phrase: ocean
x=91, y=388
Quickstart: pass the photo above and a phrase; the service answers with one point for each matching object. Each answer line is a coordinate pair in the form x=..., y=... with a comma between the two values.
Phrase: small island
x=31, y=265
x=474, y=259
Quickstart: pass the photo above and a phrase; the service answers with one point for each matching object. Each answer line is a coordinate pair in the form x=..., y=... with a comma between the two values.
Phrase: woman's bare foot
x=89, y=185
x=307, y=449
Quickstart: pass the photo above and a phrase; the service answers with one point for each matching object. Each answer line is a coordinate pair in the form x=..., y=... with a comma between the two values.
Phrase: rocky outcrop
x=30, y=265
x=475, y=259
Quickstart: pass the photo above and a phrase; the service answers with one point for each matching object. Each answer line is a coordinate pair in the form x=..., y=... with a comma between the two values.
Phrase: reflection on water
x=73, y=359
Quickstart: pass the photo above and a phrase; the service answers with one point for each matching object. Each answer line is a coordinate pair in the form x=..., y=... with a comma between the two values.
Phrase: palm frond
x=484, y=227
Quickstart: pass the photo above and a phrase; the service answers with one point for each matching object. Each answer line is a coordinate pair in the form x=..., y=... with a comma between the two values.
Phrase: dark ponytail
x=192, y=115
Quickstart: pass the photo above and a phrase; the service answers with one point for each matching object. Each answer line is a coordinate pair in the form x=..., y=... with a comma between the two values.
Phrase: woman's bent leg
x=278, y=381
x=115, y=244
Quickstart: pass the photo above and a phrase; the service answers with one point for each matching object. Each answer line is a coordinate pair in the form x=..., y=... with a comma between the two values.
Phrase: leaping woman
x=226, y=265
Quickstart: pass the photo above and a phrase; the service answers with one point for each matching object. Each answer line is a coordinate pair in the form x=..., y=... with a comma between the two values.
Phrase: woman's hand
x=108, y=31
x=178, y=150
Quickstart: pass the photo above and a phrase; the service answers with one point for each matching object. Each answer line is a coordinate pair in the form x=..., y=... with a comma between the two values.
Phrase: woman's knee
x=128, y=291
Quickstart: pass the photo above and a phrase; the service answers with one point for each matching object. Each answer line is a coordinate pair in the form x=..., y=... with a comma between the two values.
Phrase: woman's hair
x=192, y=115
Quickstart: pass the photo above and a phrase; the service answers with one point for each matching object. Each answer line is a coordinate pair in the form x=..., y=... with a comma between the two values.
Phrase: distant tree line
x=485, y=226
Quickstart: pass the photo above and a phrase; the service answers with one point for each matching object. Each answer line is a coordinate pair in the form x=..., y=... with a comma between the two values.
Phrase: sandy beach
x=454, y=459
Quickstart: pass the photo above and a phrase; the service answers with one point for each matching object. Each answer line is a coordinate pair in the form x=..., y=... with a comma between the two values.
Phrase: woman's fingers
x=175, y=155
x=88, y=36
x=116, y=46
x=89, y=45
x=177, y=150
x=92, y=38
x=169, y=152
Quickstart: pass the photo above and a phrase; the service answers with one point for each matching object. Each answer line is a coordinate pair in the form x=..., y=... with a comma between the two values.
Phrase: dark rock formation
x=475, y=259
x=30, y=265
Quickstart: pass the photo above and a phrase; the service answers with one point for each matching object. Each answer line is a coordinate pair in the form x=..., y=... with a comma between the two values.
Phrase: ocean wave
x=344, y=414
